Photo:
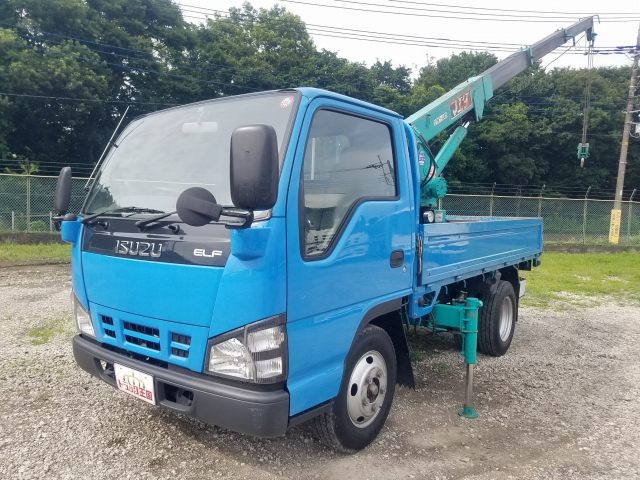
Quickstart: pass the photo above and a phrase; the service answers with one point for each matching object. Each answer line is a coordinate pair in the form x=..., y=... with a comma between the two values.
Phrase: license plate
x=135, y=383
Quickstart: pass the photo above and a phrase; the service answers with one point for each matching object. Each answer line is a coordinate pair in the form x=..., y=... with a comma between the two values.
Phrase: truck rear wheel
x=366, y=393
x=497, y=320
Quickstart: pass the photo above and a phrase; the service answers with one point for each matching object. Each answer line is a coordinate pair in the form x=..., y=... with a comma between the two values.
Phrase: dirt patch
x=562, y=403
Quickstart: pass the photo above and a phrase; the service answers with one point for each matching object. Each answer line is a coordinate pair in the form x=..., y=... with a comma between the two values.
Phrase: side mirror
x=63, y=192
x=197, y=206
x=254, y=167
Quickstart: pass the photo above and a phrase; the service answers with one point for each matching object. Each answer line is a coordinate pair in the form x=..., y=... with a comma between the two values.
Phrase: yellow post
x=614, y=227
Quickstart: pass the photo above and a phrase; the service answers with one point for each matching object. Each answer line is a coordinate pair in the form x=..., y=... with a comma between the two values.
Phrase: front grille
x=134, y=327
x=143, y=343
x=180, y=345
x=179, y=353
x=152, y=339
x=109, y=329
x=183, y=339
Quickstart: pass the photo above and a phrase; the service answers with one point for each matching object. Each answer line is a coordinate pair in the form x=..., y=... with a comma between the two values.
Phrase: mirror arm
x=248, y=219
x=58, y=219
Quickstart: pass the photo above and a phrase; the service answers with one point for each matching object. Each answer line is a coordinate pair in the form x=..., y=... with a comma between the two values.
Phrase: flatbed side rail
x=460, y=249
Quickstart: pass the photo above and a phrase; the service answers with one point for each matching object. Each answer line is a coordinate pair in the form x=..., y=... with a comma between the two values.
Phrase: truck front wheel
x=366, y=393
x=497, y=320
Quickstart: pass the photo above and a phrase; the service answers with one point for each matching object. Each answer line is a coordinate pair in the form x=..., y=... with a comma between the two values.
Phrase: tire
x=351, y=425
x=497, y=320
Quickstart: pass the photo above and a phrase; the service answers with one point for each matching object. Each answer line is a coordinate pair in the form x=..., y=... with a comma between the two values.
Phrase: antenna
x=110, y=142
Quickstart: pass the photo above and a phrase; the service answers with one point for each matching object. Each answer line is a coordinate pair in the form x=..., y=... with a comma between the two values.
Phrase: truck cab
x=247, y=327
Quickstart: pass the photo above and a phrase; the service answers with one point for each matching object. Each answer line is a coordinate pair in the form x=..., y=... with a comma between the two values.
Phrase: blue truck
x=255, y=261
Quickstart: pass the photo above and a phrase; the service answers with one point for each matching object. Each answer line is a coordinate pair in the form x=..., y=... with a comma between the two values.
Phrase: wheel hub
x=367, y=389
x=506, y=318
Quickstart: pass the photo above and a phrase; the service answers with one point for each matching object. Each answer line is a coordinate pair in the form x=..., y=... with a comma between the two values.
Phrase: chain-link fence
x=572, y=221
x=26, y=205
x=26, y=202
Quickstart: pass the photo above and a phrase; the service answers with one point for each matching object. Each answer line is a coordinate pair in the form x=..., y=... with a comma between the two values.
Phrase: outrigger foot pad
x=468, y=412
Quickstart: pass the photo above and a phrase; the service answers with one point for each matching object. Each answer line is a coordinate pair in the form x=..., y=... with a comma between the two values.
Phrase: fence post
x=28, y=201
x=629, y=211
x=540, y=202
x=584, y=219
x=13, y=220
x=491, y=201
x=50, y=222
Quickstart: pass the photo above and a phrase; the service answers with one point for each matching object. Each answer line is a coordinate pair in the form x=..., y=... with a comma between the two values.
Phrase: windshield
x=161, y=155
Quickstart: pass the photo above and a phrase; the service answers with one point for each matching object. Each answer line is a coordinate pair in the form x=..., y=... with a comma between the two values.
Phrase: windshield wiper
x=147, y=221
x=121, y=210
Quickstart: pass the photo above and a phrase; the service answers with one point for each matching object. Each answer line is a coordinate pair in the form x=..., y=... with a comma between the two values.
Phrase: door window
x=348, y=160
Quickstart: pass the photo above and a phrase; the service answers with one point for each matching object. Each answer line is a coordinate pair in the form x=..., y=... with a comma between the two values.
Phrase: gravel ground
x=563, y=403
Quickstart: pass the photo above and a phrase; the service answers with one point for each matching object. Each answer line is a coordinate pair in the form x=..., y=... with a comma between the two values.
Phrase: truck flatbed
x=466, y=247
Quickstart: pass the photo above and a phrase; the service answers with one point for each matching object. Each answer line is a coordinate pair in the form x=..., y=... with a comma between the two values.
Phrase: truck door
x=350, y=224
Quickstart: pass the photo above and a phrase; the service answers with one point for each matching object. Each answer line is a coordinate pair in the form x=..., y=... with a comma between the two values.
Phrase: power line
x=465, y=43
x=530, y=20
x=383, y=40
x=84, y=100
x=458, y=13
x=363, y=35
x=191, y=61
x=577, y=41
x=142, y=59
x=77, y=57
x=176, y=58
x=349, y=30
x=496, y=9
x=417, y=43
x=160, y=73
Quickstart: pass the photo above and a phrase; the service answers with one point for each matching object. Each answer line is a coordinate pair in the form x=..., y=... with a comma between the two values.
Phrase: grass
x=443, y=368
x=415, y=356
x=583, y=279
x=14, y=253
x=44, y=333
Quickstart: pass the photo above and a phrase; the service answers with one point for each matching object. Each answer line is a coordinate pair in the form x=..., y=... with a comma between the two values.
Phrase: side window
x=347, y=158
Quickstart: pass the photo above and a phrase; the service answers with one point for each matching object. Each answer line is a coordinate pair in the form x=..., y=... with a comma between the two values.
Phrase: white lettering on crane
x=440, y=119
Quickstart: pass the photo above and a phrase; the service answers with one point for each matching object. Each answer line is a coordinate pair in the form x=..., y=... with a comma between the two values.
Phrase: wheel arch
x=387, y=316
x=484, y=285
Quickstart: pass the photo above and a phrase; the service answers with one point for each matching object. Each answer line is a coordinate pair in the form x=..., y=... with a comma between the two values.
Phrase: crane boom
x=457, y=105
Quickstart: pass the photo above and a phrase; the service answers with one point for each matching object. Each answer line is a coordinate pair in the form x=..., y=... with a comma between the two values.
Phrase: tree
x=92, y=58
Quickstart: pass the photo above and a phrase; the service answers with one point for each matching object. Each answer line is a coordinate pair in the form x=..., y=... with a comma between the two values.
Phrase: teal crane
x=466, y=102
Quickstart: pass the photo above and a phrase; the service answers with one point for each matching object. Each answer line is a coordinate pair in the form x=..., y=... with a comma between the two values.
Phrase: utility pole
x=616, y=213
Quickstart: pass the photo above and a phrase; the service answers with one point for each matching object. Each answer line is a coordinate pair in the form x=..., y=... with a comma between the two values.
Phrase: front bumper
x=261, y=413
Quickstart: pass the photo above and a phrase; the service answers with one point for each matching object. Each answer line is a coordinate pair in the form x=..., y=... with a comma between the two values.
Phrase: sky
x=419, y=20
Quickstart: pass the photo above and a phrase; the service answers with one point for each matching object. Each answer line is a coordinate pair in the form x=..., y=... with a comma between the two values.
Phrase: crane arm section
x=467, y=101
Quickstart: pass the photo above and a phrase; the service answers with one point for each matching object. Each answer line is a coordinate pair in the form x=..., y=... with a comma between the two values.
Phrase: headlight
x=255, y=353
x=82, y=319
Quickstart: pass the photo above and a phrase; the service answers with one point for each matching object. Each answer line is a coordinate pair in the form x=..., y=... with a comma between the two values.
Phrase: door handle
x=396, y=259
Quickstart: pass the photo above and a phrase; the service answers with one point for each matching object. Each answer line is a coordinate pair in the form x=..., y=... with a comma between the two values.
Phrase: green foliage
x=156, y=58
x=452, y=71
